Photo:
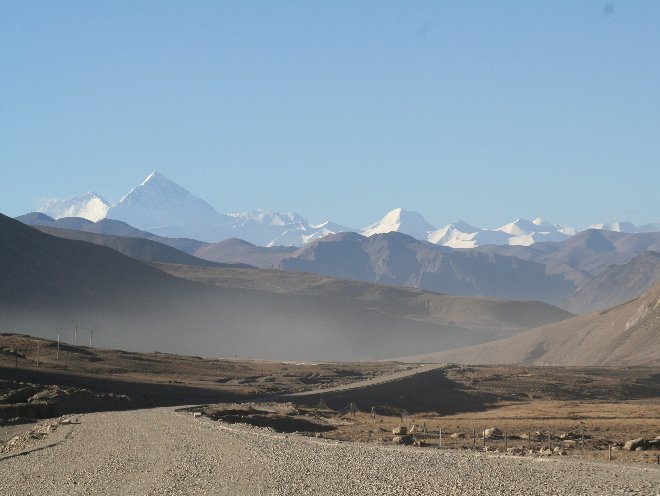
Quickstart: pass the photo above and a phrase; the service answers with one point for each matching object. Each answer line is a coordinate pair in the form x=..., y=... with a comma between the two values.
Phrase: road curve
x=163, y=452
x=414, y=369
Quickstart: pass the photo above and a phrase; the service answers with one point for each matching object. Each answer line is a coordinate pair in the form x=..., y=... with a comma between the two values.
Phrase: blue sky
x=481, y=111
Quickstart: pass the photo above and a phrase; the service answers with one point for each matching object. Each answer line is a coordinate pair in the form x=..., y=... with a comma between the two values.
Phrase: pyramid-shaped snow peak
x=403, y=221
x=160, y=205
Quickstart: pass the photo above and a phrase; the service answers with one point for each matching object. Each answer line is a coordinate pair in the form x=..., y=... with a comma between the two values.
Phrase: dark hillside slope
x=109, y=227
x=142, y=249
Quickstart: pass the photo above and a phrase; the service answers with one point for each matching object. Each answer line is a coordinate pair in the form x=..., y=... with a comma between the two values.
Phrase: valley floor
x=160, y=451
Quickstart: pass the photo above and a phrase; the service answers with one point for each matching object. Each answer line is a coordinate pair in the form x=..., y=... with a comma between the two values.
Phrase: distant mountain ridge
x=398, y=259
x=572, y=274
x=162, y=207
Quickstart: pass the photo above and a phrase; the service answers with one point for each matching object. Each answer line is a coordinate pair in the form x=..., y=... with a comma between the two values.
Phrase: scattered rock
x=400, y=431
x=493, y=432
x=457, y=435
x=403, y=439
x=634, y=444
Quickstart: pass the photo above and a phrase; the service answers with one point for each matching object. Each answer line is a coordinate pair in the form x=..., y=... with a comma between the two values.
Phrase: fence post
x=440, y=443
x=506, y=441
x=474, y=438
x=485, y=449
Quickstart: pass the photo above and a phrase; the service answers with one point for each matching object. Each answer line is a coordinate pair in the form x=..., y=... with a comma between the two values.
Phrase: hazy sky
x=481, y=111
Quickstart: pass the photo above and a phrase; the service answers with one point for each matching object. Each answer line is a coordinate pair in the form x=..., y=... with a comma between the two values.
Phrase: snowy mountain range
x=162, y=207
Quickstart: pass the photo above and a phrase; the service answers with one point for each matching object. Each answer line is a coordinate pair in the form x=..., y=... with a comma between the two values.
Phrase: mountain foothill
x=162, y=270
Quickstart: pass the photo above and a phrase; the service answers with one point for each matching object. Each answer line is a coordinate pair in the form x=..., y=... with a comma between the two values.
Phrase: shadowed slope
x=142, y=249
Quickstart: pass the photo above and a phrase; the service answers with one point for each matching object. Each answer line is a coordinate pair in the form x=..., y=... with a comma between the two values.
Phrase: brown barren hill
x=628, y=334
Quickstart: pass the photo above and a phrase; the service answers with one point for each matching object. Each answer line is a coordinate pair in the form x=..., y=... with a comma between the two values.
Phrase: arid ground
x=579, y=412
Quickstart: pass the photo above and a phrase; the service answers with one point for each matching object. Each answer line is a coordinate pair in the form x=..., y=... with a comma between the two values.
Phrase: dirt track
x=159, y=451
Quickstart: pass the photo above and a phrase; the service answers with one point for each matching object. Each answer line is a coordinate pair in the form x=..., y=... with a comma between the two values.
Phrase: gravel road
x=162, y=452
x=414, y=369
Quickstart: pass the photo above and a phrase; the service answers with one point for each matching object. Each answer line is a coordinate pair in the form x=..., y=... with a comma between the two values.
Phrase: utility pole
x=38, y=351
x=75, y=335
x=58, y=346
x=91, y=335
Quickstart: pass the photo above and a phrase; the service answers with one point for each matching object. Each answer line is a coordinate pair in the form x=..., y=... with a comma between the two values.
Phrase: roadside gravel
x=162, y=452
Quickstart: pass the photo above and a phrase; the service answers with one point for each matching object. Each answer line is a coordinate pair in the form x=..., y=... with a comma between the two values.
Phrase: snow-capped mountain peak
x=456, y=235
x=89, y=206
x=403, y=221
x=161, y=206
